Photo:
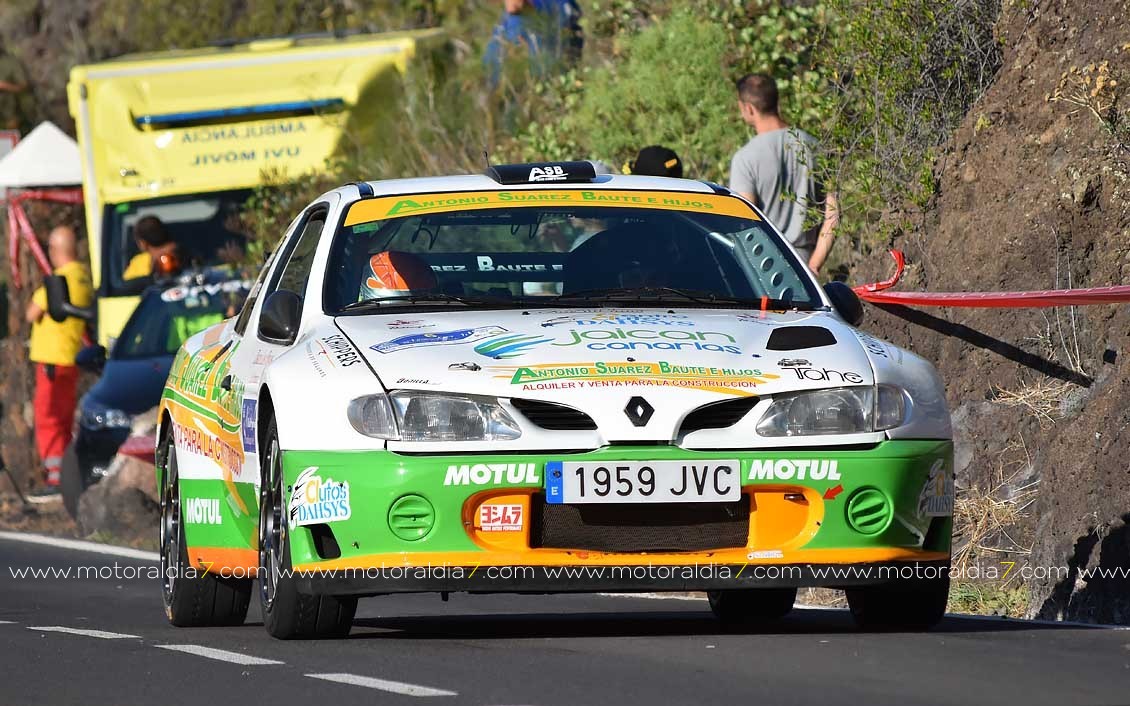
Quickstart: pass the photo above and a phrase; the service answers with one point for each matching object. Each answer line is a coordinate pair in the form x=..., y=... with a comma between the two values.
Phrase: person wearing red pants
x=53, y=348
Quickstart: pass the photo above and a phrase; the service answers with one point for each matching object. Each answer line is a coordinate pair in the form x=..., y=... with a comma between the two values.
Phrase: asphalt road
x=105, y=641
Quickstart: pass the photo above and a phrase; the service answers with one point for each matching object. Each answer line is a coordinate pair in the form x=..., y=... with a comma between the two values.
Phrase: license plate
x=571, y=482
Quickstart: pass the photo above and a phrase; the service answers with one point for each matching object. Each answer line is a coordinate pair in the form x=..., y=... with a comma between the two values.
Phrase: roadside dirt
x=1033, y=194
x=47, y=518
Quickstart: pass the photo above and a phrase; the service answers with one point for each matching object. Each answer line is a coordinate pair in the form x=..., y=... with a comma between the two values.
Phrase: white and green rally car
x=541, y=379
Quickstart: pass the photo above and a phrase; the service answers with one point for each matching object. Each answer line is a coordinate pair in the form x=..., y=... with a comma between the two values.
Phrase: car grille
x=640, y=527
x=718, y=415
x=554, y=417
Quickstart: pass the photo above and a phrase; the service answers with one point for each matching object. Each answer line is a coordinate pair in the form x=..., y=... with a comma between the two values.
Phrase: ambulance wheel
x=287, y=613
x=750, y=606
x=912, y=604
x=193, y=597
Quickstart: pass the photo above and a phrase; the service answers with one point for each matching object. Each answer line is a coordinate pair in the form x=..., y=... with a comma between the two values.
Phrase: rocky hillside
x=1033, y=194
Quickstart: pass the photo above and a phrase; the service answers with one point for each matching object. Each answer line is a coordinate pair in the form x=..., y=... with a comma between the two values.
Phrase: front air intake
x=553, y=416
x=718, y=415
x=639, y=527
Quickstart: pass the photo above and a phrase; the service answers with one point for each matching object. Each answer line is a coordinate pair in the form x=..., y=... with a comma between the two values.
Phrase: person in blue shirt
x=549, y=30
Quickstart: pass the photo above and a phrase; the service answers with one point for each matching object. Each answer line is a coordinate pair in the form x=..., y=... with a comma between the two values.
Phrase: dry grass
x=988, y=598
x=1043, y=398
x=822, y=597
x=985, y=516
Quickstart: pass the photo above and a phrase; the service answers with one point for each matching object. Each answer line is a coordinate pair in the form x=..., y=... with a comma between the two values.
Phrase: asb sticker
x=506, y=517
x=316, y=500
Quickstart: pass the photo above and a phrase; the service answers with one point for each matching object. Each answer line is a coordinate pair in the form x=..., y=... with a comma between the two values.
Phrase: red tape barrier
x=19, y=227
x=875, y=294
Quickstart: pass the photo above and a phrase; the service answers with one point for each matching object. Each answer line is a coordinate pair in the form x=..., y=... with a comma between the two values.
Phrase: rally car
x=541, y=379
x=132, y=376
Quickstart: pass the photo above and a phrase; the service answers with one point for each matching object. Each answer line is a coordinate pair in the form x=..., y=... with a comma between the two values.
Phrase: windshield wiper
x=697, y=296
x=378, y=302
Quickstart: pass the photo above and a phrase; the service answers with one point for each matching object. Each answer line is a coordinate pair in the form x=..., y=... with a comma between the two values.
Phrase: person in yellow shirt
x=153, y=240
x=53, y=348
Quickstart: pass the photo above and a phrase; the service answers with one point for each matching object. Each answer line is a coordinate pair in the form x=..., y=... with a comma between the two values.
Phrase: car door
x=253, y=352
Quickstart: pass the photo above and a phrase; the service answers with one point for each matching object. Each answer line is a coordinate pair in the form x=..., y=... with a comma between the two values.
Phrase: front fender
x=310, y=387
x=930, y=417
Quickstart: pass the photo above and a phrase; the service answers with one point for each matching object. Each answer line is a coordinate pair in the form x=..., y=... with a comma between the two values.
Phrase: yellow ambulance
x=185, y=136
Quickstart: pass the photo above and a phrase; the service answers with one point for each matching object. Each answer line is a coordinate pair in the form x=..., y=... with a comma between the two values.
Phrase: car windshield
x=206, y=228
x=165, y=319
x=567, y=248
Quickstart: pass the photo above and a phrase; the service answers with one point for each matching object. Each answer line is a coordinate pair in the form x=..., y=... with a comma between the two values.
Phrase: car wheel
x=73, y=479
x=750, y=606
x=287, y=613
x=192, y=598
x=914, y=604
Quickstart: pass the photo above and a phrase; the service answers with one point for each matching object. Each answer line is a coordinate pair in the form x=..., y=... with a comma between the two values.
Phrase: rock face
x=1035, y=194
x=124, y=504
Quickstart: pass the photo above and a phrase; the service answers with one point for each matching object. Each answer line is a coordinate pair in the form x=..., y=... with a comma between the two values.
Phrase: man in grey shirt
x=776, y=171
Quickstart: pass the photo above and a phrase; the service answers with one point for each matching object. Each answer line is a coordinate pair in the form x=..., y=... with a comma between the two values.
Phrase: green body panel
x=376, y=479
x=219, y=521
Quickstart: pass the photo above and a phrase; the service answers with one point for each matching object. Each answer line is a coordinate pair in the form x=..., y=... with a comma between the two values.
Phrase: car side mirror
x=59, y=305
x=278, y=322
x=92, y=358
x=845, y=301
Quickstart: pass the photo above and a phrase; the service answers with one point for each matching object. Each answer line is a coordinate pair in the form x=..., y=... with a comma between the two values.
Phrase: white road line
x=78, y=544
x=7, y=622
x=221, y=655
x=655, y=596
x=86, y=633
x=395, y=687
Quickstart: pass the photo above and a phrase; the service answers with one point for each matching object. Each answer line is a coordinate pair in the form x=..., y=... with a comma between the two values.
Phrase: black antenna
x=486, y=158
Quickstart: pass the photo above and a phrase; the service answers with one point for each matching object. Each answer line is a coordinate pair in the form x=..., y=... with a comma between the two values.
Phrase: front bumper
x=393, y=525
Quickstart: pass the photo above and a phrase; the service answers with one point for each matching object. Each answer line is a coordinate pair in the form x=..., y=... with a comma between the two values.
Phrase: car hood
x=131, y=385
x=579, y=356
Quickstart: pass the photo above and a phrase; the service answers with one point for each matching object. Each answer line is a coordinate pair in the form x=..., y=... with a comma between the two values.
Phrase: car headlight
x=105, y=418
x=838, y=410
x=428, y=416
x=371, y=415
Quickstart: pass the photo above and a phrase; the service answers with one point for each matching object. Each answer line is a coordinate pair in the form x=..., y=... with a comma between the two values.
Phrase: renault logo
x=639, y=411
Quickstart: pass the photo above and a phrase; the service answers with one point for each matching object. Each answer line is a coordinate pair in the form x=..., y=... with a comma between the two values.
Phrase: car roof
x=481, y=182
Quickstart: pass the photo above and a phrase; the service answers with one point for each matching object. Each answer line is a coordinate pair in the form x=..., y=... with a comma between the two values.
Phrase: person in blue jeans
x=549, y=30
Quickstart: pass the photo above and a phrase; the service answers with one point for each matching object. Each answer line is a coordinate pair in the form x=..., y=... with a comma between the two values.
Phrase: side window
x=252, y=297
x=295, y=270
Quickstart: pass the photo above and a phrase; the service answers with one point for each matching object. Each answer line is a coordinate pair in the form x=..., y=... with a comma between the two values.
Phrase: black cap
x=657, y=161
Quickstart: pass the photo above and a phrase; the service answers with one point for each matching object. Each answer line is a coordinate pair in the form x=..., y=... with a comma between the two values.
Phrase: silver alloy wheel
x=170, y=525
x=270, y=526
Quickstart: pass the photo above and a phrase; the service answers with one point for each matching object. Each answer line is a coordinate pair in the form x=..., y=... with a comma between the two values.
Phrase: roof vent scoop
x=793, y=338
x=543, y=172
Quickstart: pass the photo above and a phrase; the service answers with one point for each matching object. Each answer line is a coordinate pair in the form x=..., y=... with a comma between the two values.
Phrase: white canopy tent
x=47, y=156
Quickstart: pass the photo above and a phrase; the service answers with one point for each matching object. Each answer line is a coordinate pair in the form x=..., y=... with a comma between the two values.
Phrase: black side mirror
x=845, y=301
x=92, y=358
x=59, y=305
x=278, y=322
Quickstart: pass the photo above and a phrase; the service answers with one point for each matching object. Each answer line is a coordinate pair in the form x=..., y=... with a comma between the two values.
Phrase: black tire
x=192, y=598
x=751, y=606
x=73, y=480
x=287, y=613
x=915, y=604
